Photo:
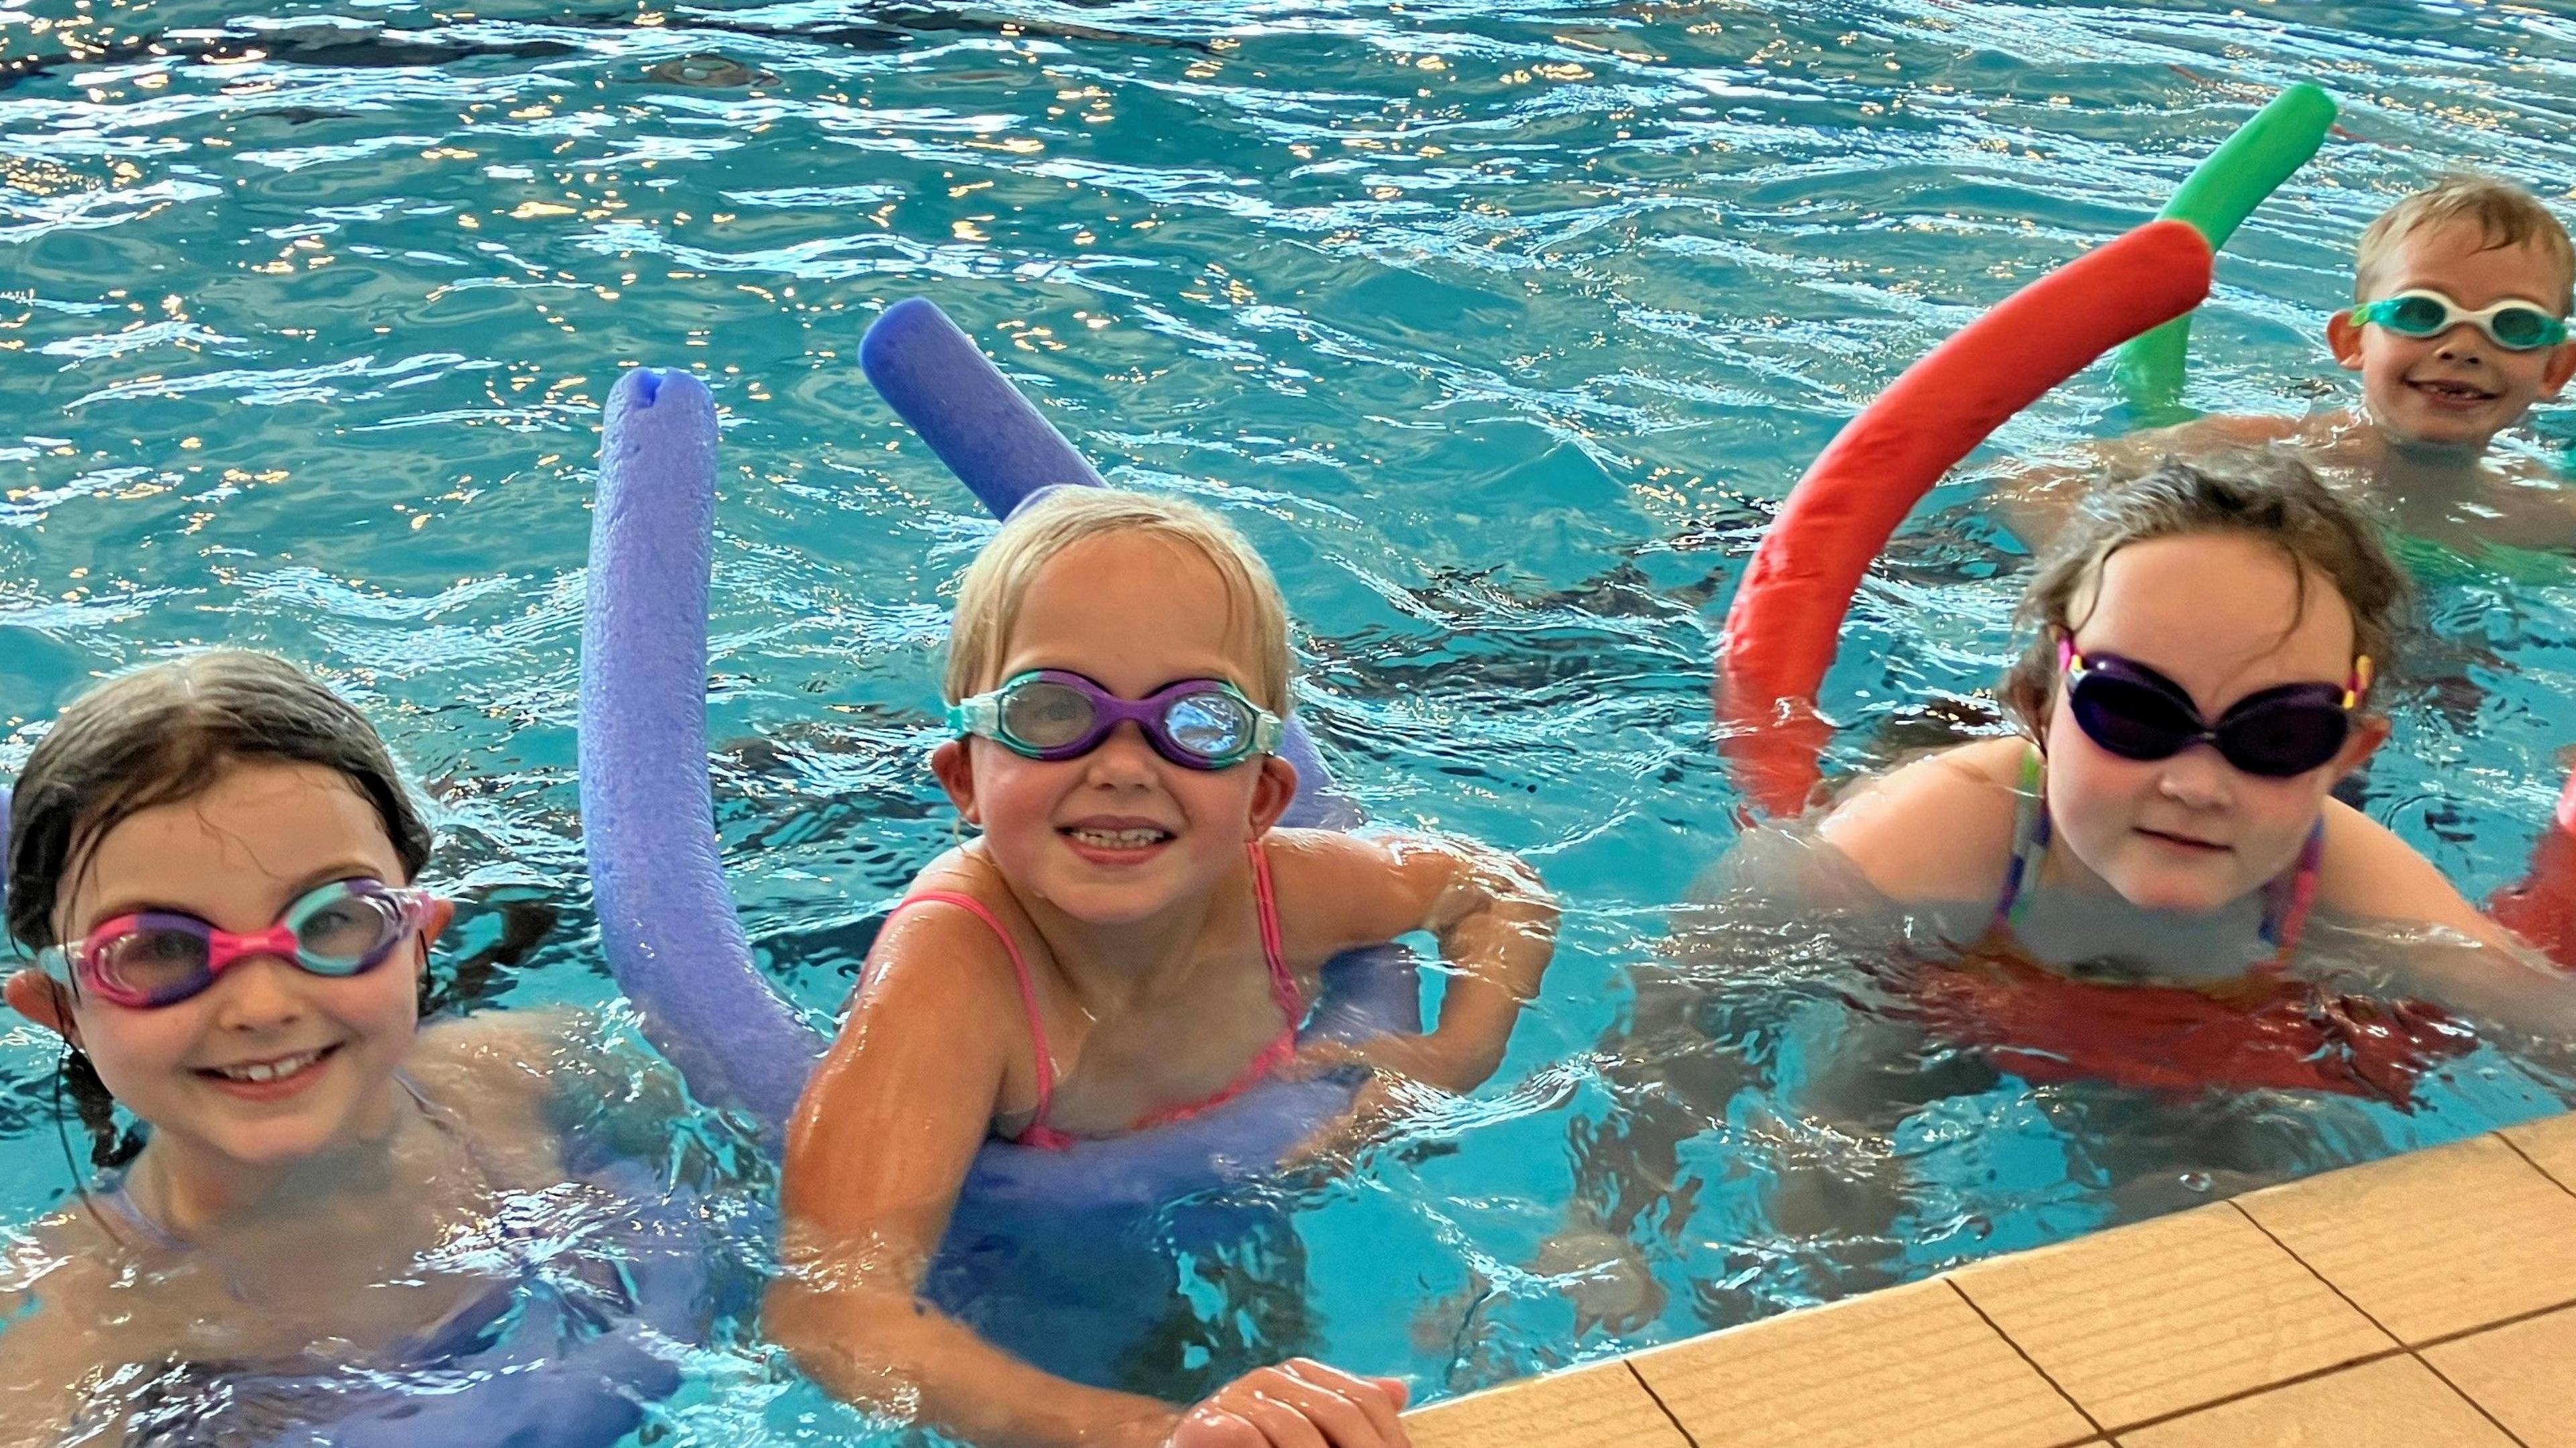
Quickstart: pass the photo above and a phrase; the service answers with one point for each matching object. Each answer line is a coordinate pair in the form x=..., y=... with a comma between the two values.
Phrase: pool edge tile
x=2155, y=1318
x=1910, y=1367
x=2435, y=1242
x=1600, y=1404
x=2511, y=1371
x=2392, y=1402
x=2549, y=1144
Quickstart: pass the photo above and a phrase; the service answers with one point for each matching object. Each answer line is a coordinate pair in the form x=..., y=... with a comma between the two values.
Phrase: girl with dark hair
x=216, y=867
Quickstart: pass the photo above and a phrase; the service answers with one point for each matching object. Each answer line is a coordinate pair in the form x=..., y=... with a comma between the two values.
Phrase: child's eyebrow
x=349, y=869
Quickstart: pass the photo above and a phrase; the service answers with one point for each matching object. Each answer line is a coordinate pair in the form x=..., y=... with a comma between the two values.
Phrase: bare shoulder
x=942, y=957
x=1939, y=828
x=2219, y=433
x=508, y=1055
x=54, y=1310
x=2368, y=871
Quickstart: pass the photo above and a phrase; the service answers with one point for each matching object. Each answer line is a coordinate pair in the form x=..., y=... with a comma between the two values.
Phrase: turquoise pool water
x=1500, y=327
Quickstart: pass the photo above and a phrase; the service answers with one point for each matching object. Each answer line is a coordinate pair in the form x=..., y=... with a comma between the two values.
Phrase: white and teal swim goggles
x=1055, y=714
x=2515, y=324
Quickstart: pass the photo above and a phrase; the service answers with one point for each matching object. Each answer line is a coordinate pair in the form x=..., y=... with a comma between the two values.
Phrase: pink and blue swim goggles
x=1053, y=714
x=162, y=957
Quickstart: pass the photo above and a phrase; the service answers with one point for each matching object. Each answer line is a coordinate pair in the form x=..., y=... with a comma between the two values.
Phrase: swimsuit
x=2265, y=1030
x=1283, y=991
x=574, y=1360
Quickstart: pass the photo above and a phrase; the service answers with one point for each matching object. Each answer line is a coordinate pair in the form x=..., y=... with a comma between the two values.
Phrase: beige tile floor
x=2423, y=1302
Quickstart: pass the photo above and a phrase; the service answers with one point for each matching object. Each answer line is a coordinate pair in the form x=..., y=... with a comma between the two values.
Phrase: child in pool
x=217, y=863
x=2124, y=888
x=2462, y=292
x=1128, y=941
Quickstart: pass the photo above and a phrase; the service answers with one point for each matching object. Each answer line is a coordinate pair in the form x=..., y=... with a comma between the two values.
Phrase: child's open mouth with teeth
x=1119, y=836
x=2451, y=391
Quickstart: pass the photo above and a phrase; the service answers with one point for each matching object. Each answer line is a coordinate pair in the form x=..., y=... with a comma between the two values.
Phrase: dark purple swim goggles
x=1058, y=714
x=2137, y=713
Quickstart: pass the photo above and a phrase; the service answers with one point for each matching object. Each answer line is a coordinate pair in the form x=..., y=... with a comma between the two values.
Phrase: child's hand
x=1300, y=1403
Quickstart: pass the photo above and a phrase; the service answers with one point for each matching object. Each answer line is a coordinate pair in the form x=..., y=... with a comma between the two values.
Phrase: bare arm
x=875, y=1156
x=1495, y=922
x=2035, y=497
x=52, y=1299
x=2467, y=963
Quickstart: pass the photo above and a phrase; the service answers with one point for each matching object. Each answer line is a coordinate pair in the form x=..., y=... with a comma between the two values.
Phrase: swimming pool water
x=1499, y=327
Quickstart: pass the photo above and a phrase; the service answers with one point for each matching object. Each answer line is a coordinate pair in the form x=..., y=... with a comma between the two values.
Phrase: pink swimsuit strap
x=1019, y=972
x=1283, y=991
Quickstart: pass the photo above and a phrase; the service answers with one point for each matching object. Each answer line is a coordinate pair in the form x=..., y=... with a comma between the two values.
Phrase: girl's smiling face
x=236, y=856
x=1118, y=835
x=2221, y=615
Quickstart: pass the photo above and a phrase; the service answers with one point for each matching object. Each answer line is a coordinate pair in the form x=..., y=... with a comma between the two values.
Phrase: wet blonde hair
x=988, y=601
x=2505, y=215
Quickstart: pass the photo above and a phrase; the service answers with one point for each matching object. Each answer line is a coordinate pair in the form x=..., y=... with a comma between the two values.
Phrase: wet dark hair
x=159, y=735
x=165, y=733
x=2274, y=500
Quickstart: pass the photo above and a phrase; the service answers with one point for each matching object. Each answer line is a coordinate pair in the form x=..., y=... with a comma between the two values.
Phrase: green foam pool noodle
x=2220, y=193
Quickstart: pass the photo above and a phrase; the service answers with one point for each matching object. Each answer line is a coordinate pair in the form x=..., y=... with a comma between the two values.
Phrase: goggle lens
x=1045, y=715
x=154, y=960
x=2521, y=328
x=2416, y=317
x=2129, y=718
x=2280, y=740
x=345, y=933
x=1211, y=726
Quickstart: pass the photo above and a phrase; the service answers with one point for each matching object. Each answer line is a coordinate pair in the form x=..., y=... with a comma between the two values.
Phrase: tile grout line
x=2080, y=1410
x=1630, y=1364
x=2241, y=1394
x=2444, y=1379
x=2403, y=1346
x=2535, y=1166
x=2257, y=1224
x=2447, y=1338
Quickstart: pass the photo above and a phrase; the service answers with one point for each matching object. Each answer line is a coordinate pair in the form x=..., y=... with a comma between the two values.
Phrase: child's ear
x=2343, y=338
x=956, y=774
x=2369, y=731
x=442, y=913
x=2562, y=366
x=41, y=998
x=1272, y=794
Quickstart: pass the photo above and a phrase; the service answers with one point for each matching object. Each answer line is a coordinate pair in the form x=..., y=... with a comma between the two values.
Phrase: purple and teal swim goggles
x=1053, y=714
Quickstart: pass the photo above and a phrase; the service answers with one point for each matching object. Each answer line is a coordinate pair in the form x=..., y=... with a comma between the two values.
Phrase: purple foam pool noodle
x=666, y=917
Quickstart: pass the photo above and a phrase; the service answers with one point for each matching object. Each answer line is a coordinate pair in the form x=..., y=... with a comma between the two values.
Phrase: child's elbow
x=837, y=1336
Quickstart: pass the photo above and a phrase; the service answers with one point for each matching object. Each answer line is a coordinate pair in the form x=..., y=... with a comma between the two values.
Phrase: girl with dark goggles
x=1054, y=714
x=161, y=957
x=2136, y=713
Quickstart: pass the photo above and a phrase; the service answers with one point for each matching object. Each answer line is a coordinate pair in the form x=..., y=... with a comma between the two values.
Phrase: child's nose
x=2460, y=344
x=1124, y=758
x=257, y=993
x=2197, y=777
